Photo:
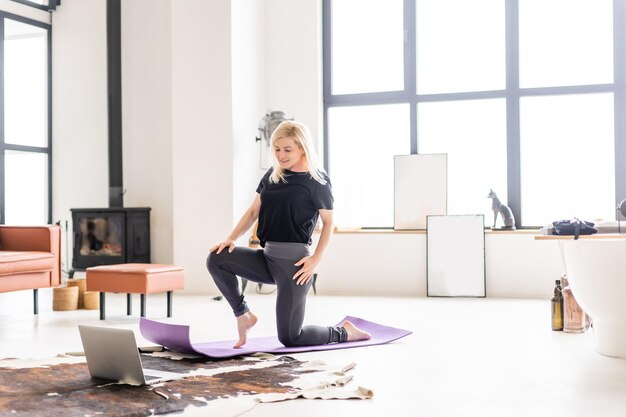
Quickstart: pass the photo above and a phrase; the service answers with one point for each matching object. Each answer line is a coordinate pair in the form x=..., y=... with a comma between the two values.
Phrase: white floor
x=467, y=357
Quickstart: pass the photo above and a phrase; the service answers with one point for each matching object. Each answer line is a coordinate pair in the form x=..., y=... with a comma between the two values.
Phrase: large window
x=364, y=152
x=25, y=145
x=523, y=96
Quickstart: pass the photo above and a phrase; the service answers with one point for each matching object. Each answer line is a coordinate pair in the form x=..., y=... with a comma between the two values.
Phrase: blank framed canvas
x=455, y=256
x=420, y=189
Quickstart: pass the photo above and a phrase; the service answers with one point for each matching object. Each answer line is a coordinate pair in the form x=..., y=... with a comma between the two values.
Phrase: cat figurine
x=505, y=211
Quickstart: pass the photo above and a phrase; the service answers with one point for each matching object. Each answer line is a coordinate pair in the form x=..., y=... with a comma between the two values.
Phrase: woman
x=290, y=198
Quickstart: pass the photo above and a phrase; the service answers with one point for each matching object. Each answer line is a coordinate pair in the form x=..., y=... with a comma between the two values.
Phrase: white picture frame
x=455, y=256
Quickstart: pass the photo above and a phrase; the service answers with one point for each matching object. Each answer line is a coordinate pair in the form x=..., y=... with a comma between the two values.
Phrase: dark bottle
x=557, y=307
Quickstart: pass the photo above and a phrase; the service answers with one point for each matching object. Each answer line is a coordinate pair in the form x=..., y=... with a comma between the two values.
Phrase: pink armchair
x=30, y=258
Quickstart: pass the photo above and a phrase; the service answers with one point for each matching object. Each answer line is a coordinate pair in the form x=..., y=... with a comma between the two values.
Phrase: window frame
x=24, y=148
x=52, y=4
x=512, y=93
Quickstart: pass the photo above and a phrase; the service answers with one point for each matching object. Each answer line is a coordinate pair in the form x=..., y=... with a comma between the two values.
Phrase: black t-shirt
x=289, y=211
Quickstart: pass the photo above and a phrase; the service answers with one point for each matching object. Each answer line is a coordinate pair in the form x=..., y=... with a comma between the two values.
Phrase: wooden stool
x=140, y=279
x=64, y=298
x=91, y=300
x=82, y=285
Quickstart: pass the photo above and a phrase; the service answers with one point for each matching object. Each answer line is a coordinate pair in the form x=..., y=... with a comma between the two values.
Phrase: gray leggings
x=274, y=265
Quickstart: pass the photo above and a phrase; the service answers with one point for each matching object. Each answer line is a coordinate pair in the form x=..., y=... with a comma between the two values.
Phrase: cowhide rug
x=62, y=387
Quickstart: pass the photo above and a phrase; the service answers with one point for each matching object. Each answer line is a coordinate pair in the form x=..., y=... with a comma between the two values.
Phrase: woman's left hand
x=305, y=274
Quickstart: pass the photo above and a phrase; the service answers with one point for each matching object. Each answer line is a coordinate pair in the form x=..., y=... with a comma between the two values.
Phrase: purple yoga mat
x=176, y=337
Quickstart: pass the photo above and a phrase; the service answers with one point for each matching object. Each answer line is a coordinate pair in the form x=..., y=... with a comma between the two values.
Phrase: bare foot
x=244, y=323
x=354, y=333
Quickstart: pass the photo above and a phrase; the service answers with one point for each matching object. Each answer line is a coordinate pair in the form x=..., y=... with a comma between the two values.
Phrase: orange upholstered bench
x=135, y=279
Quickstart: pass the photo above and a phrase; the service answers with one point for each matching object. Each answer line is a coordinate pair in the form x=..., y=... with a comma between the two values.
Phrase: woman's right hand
x=221, y=246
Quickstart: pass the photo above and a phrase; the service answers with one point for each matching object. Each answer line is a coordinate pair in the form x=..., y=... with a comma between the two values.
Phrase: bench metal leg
x=169, y=303
x=36, y=301
x=143, y=304
x=102, y=311
x=129, y=304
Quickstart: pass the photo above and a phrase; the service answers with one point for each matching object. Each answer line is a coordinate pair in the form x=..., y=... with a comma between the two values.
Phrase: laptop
x=113, y=354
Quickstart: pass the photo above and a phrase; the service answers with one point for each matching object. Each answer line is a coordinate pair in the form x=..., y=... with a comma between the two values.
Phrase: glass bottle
x=574, y=318
x=557, y=307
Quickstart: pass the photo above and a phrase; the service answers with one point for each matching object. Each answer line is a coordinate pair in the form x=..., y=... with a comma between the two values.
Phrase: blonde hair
x=301, y=135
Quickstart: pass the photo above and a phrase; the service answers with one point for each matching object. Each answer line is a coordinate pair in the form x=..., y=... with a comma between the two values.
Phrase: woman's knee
x=289, y=339
x=214, y=260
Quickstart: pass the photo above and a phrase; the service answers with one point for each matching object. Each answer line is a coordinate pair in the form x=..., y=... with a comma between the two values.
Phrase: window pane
x=363, y=141
x=460, y=46
x=473, y=134
x=40, y=2
x=567, y=158
x=367, y=46
x=565, y=42
x=25, y=84
x=26, y=189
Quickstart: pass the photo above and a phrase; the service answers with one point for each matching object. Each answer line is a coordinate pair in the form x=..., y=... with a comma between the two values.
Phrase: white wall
x=202, y=117
x=80, y=132
x=177, y=121
x=249, y=71
x=294, y=61
x=520, y=266
x=79, y=110
x=197, y=76
x=147, y=117
x=395, y=264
